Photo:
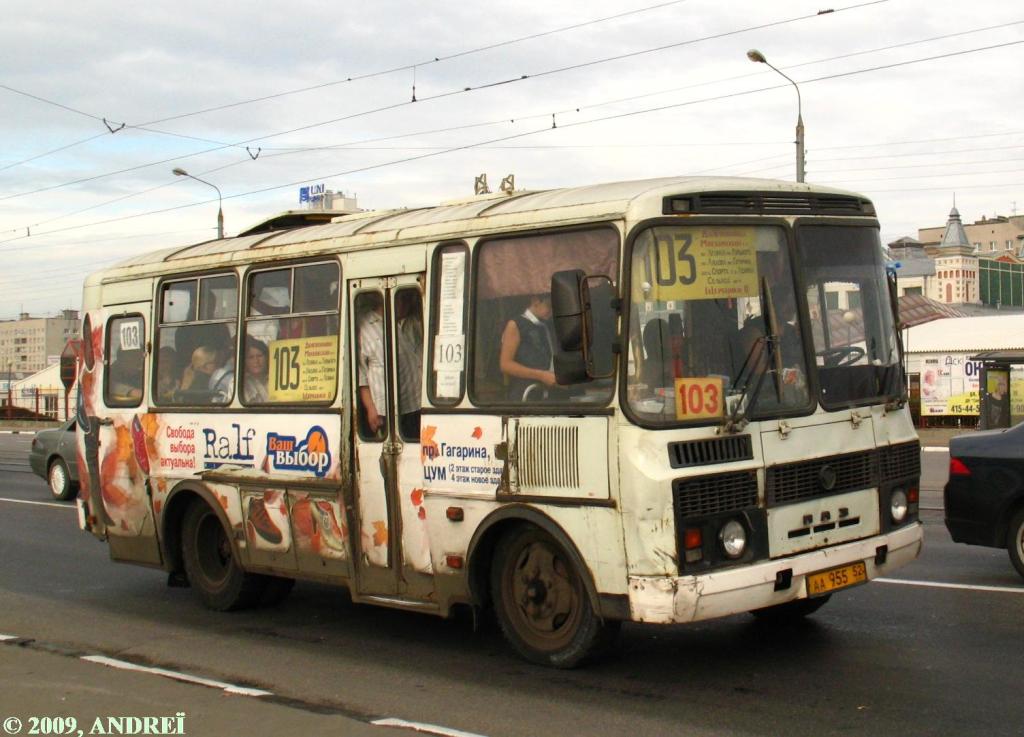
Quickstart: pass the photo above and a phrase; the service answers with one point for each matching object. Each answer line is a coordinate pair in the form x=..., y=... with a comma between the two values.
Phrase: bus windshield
x=851, y=317
x=698, y=334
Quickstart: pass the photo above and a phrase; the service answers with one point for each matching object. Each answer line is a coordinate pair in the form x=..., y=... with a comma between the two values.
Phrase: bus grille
x=706, y=495
x=794, y=482
x=712, y=450
x=901, y=461
x=548, y=456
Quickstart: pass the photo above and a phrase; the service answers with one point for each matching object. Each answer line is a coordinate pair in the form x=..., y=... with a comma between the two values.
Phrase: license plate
x=825, y=582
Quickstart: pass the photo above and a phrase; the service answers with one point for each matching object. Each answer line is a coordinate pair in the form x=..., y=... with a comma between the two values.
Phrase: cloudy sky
x=908, y=101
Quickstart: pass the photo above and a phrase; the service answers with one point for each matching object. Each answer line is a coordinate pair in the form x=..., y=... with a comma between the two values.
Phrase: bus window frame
x=243, y=319
x=108, y=400
x=546, y=408
x=158, y=304
x=435, y=315
x=801, y=304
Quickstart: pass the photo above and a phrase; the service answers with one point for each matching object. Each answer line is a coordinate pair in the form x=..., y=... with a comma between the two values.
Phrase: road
x=934, y=652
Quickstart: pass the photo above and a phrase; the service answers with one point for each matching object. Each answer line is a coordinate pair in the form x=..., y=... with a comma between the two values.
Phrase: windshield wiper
x=737, y=419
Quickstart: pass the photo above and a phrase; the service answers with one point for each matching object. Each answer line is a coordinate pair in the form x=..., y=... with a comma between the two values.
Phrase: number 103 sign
x=699, y=398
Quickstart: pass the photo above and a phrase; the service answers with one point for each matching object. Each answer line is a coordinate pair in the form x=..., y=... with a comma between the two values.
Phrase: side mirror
x=570, y=303
x=68, y=365
x=573, y=317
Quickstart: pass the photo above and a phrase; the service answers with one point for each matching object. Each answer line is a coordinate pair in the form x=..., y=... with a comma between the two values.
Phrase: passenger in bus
x=409, y=310
x=195, y=379
x=125, y=383
x=167, y=373
x=526, y=349
x=222, y=380
x=254, y=380
x=372, y=375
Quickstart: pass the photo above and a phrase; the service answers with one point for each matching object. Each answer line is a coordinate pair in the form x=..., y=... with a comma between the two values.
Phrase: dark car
x=53, y=457
x=984, y=497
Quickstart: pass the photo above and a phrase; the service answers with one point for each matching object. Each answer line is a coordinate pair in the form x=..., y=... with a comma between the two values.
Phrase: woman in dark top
x=526, y=356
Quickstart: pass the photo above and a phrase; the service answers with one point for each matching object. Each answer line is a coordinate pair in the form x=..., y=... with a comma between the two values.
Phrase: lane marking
x=423, y=727
x=935, y=449
x=40, y=504
x=8, y=637
x=966, y=586
x=175, y=675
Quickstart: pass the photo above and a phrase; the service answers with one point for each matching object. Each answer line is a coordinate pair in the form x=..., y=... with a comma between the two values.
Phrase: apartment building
x=29, y=344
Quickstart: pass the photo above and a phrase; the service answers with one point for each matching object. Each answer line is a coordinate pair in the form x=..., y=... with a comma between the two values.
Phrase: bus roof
x=479, y=215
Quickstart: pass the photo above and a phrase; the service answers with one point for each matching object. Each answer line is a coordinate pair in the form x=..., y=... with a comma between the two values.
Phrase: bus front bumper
x=667, y=600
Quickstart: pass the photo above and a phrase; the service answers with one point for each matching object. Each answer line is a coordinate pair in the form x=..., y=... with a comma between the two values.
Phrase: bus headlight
x=733, y=538
x=898, y=505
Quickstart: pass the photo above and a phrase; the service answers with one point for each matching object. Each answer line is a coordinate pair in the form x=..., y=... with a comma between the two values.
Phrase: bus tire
x=542, y=604
x=210, y=563
x=1015, y=541
x=791, y=611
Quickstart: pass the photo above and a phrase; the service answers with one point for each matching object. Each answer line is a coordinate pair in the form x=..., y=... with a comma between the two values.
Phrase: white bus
x=638, y=401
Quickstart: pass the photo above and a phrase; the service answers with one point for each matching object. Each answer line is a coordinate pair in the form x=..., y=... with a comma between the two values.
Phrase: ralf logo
x=287, y=453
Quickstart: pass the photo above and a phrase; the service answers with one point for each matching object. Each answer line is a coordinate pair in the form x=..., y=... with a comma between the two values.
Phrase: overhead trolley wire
x=311, y=88
x=617, y=116
x=450, y=93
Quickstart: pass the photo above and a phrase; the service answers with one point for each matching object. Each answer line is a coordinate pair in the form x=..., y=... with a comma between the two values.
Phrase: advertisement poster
x=950, y=384
x=458, y=453
x=303, y=445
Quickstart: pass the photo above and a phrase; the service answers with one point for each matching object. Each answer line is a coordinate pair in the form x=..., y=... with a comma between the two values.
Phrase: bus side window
x=196, y=336
x=514, y=343
x=125, y=348
x=290, y=351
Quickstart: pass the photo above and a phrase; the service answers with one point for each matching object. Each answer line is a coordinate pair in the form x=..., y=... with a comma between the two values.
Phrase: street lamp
x=755, y=55
x=178, y=172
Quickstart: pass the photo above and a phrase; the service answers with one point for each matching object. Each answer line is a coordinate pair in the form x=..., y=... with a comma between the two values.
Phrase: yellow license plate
x=825, y=582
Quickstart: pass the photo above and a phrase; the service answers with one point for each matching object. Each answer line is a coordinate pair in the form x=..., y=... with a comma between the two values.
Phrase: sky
x=910, y=102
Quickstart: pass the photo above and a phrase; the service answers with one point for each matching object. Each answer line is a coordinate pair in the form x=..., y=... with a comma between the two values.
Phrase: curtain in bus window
x=514, y=344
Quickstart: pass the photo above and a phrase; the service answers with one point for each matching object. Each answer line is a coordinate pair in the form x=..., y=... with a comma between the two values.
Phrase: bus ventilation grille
x=548, y=457
x=690, y=453
x=706, y=495
x=901, y=461
x=795, y=482
x=767, y=203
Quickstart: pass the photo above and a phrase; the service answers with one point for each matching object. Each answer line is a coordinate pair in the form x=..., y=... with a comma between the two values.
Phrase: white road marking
x=935, y=449
x=966, y=586
x=226, y=687
x=40, y=504
x=8, y=637
x=421, y=727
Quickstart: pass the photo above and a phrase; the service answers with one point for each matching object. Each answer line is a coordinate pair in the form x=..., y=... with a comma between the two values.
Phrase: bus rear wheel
x=542, y=603
x=210, y=563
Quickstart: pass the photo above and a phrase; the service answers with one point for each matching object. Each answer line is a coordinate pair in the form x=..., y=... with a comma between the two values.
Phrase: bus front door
x=393, y=556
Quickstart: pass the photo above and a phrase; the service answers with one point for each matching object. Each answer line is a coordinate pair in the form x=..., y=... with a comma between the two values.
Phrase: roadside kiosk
x=997, y=405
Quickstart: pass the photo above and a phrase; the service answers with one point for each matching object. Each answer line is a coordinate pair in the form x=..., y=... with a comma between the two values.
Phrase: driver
x=526, y=349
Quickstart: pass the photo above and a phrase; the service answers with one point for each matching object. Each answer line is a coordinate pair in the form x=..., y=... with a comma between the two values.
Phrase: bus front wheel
x=542, y=603
x=210, y=563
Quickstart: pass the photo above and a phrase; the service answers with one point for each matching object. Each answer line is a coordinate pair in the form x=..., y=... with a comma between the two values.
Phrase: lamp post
x=178, y=172
x=757, y=56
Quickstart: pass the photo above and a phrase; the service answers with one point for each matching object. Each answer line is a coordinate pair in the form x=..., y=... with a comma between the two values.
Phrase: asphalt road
x=935, y=653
